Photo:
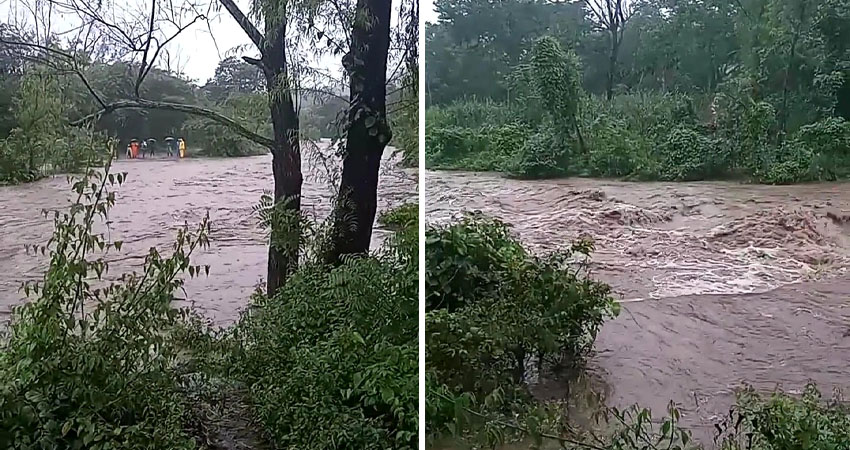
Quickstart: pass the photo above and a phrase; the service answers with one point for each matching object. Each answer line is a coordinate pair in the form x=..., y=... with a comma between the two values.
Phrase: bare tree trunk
x=286, y=163
x=783, y=121
x=368, y=132
x=285, y=239
x=612, y=64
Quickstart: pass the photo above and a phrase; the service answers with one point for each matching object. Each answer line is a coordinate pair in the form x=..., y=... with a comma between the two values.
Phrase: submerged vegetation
x=497, y=315
x=761, y=93
x=103, y=362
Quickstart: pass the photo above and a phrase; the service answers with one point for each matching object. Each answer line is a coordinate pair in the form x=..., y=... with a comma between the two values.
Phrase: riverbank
x=139, y=371
x=720, y=283
x=640, y=136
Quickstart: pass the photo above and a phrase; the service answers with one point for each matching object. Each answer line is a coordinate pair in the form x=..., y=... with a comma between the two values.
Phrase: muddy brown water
x=721, y=283
x=160, y=195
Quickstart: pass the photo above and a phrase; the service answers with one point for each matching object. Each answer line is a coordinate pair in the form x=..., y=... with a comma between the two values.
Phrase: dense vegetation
x=496, y=314
x=757, y=89
x=105, y=363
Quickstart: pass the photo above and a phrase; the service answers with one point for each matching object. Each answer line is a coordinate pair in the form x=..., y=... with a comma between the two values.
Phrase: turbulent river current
x=721, y=283
x=158, y=198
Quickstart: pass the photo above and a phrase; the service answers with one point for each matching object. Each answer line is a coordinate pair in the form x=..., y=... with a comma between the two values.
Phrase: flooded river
x=159, y=197
x=721, y=283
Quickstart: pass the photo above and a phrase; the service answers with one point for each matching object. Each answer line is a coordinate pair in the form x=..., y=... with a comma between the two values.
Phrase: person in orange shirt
x=135, y=146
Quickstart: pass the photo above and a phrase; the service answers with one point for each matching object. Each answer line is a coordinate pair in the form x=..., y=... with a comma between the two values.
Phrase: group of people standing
x=172, y=147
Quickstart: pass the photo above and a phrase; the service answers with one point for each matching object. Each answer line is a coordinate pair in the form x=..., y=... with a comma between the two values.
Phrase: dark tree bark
x=286, y=163
x=286, y=150
x=368, y=131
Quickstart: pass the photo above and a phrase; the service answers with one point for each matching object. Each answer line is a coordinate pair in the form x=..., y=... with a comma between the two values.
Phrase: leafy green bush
x=469, y=114
x=446, y=147
x=463, y=262
x=43, y=144
x=792, y=162
x=688, y=155
x=648, y=113
x=91, y=367
x=504, y=142
x=613, y=150
x=830, y=136
x=403, y=217
x=486, y=148
x=785, y=422
x=544, y=155
x=491, y=306
x=331, y=360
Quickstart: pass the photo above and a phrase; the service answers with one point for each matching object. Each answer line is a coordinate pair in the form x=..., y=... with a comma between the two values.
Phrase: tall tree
x=368, y=132
x=234, y=75
x=611, y=16
x=286, y=148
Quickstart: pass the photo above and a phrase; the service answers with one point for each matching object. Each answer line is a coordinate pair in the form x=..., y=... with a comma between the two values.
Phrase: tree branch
x=159, y=46
x=256, y=62
x=142, y=71
x=188, y=109
x=256, y=37
x=72, y=61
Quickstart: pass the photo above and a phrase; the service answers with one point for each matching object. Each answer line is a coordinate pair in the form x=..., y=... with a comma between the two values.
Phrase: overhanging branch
x=256, y=37
x=178, y=107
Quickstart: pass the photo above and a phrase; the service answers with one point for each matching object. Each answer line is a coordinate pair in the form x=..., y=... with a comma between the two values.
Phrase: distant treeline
x=653, y=89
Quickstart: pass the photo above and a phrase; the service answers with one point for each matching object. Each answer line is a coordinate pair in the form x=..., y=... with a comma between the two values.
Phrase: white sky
x=427, y=9
x=195, y=48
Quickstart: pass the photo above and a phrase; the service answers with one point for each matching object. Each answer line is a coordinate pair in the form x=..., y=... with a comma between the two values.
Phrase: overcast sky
x=197, y=50
x=428, y=13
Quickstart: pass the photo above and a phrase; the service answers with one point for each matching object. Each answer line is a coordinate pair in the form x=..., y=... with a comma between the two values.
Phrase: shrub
x=90, y=367
x=463, y=262
x=544, y=155
x=650, y=113
x=504, y=142
x=828, y=141
x=403, y=217
x=785, y=422
x=469, y=113
x=486, y=148
x=829, y=136
x=332, y=358
x=688, y=155
x=612, y=149
x=491, y=307
x=447, y=147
